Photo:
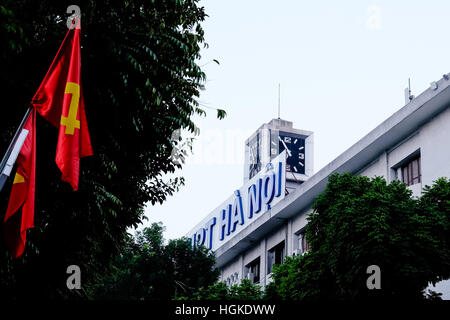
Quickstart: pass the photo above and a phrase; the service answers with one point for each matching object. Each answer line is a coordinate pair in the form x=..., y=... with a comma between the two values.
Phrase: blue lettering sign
x=199, y=237
x=225, y=222
x=254, y=198
x=237, y=212
x=280, y=175
x=269, y=188
x=209, y=229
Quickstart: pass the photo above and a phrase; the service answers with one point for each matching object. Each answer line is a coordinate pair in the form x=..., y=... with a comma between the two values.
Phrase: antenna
x=408, y=95
x=279, y=101
x=409, y=87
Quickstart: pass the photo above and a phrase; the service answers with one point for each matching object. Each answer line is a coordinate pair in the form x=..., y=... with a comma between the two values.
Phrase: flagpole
x=3, y=176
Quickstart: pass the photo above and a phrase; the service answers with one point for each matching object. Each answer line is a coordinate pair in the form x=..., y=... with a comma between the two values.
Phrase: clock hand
x=285, y=146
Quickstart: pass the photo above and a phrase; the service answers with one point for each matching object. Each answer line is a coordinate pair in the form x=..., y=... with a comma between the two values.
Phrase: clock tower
x=273, y=138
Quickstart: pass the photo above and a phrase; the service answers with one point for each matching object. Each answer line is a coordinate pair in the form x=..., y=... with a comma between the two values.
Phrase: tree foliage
x=147, y=269
x=246, y=290
x=141, y=82
x=358, y=222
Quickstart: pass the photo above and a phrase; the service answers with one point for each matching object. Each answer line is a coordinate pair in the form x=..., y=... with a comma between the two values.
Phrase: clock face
x=254, y=157
x=295, y=151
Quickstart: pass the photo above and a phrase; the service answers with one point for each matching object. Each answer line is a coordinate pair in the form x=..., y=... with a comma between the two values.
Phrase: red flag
x=20, y=213
x=59, y=100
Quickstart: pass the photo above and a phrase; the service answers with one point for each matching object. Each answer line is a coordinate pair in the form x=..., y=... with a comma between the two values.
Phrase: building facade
x=413, y=146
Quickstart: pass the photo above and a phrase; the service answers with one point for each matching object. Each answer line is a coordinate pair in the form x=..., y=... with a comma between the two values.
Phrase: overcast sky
x=342, y=66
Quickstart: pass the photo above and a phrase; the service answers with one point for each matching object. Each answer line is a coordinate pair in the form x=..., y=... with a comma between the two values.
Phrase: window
x=275, y=256
x=303, y=245
x=253, y=270
x=411, y=173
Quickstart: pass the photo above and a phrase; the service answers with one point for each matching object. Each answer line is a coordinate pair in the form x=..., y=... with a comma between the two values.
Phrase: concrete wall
x=376, y=168
x=435, y=144
x=430, y=140
x=237, y=265
x=232, y=272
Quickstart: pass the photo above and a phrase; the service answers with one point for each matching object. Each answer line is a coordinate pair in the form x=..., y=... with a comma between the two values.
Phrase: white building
x=250, y=234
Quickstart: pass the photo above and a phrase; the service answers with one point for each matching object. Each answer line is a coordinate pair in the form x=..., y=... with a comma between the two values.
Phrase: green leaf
x=221, y=113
